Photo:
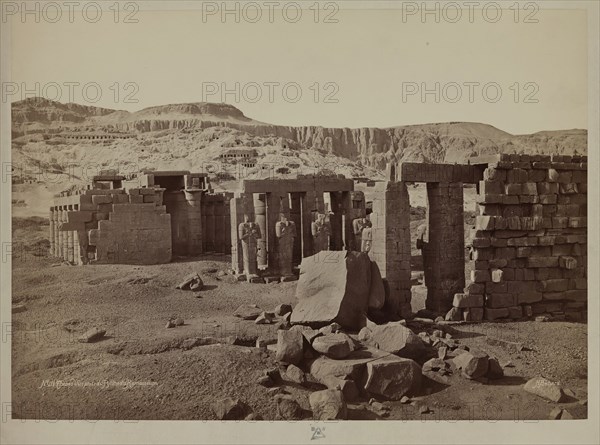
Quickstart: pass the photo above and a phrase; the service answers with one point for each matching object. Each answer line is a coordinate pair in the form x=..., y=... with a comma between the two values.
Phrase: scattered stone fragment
x=454, y=314
x=274, y=374
x=473, y=364
x=437, y=333
x=393, y=379
x=92, y=335
x=542, y=318
x=16, y=308
x=262, y=342
x=404, y=400
x=443, y=352
x=336, y=346
x=265, y=318
x=542, y=387
x=287, y=407
x=170, y=324
x=495, y=371
x=265, y=381
x=229, y=409
x=191, y=282
x=290, y=346
x=287, y=317
x=295, y=375
x=248, y=312
x=395, y=338
x=178, y=322
x=328, y=404
x=283, y=309
x=276, y=390
x=424, y=409
x=435, y=364
x=253, y=416
x=330, y=329
x=379, y=408
x=272, y=347
x=555, y=414
x=583, y=402
x=569, y=392
x=566, y=415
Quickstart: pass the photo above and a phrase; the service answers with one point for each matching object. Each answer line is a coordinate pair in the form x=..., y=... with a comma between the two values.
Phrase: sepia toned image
x=333, y=222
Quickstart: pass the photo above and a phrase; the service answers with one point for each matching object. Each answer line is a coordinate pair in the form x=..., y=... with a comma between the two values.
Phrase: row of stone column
x=64, y=243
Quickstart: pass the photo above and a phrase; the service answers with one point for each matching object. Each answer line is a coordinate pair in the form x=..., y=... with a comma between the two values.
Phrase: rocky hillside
x=190, y=135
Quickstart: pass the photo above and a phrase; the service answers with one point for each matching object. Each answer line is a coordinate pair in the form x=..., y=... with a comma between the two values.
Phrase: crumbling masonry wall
x=530, y=244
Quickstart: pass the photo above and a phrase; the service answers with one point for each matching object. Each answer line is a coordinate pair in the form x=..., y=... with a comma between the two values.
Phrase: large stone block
x=394, y=338
x=393, y=379
x=333, y=288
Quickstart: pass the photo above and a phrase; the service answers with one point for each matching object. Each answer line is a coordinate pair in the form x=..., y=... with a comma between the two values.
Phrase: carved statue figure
x=286, y=232
x=321, y=232
x=366, y=239
x=358, y=226
x=249, y=233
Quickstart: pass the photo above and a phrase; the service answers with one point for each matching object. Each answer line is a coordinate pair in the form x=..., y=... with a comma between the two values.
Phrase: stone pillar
x=347, y=218
x=335, y=219
x=260, y=217
x=52, y=230
x=391, y=245
x=56, y=232
x=274, y=207
x=194, y=221
x=237, y=217
x=70, y=246
x=226, y=223
x=296, y=217
x=65, y=237
x=220, y=227
x=210, y=224
x=444, y=251
x=307, y=205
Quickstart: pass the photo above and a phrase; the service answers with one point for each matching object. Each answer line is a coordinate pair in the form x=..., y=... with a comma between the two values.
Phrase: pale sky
x=367, y=59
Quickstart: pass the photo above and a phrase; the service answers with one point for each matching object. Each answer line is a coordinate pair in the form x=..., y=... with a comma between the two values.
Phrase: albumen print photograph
x=304, y=216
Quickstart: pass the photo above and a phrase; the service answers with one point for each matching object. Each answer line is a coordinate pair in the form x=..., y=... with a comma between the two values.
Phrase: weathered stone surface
x=352, y=367
x=454, y=314
x=467, y=300
x=395, y=338
x=282, y=309
x=248, y=312
x=393, y=379
x=333, y=287
x=473, y=364
x=295, y=375
x=348, y=387
x=377, y=289
x=290, y=346
x=336, y=346
x=229, y=409
x=328, y=404
x=545, y=388
x=287, y=407
x=265, y=318
x=92, y=335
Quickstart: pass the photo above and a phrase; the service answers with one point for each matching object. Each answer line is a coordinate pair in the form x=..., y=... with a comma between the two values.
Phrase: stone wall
x=530, y=245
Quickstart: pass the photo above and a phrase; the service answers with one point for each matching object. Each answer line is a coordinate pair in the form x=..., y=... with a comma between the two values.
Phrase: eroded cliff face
x=440, y=142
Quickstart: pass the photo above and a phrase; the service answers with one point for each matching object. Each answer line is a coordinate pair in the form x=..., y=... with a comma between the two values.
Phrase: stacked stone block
x=530, y=244
x=391, y=244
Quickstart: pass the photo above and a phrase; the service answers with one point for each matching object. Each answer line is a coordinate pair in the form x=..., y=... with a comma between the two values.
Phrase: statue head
x=321, y=217
x=282, y=217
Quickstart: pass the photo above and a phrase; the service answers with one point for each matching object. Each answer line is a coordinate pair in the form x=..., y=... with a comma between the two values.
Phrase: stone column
x=65, y=237
x=52, y=230
x=444, y=252
x=391, y=244
x=347, y=218
x=307, y=205
x=260, y=217
x=194, y=221
x=237, y=216
x=274, y=203
x=335, y=220
x=70, y=246
x=296, y=217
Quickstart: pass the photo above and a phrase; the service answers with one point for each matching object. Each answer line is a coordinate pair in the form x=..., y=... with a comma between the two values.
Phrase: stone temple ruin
x=529, y=250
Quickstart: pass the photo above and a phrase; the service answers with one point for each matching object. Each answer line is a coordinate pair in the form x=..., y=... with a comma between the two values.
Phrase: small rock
x=170, y=324
x=92, y=335
x=283, y=309
x=276, y=390
x=583, y=402
x=287, y=407
x=287, y=317
x=248, y=312
x=265, y=381
x=328, y=404
x=274, y=374
x=555, y=414
x=191, y=282
x=265, y=318
x=295, y=375
x=335, y=346
x=508, y=364
x=330, y=329
x=424, y=409
x=404, y=400
x=16, y=308
x=443, y=352
x=253, y=416
x=290, y=346
x=437, y=333
x=229, y=409
x=474, y=364
x=435, y=364
x=542, y=387
x=178, y=322
x=570, y=393
x=542, y=318
x=566, y=415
